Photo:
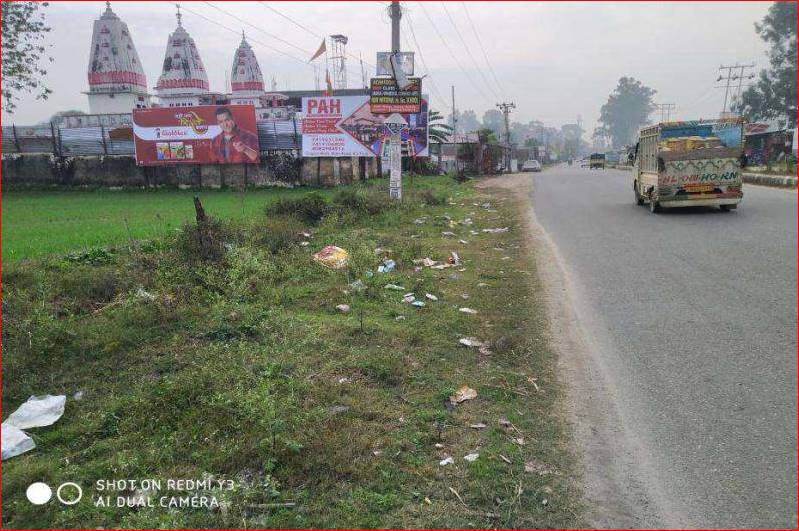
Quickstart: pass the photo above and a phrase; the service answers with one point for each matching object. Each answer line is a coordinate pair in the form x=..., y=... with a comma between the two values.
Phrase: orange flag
x=322, y=49
x=329, y=83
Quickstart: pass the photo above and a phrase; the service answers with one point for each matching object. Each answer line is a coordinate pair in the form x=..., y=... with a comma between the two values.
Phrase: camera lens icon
x=68, y=493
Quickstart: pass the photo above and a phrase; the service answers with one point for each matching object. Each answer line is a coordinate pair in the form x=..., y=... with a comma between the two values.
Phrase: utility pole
x=454, y=116
x=732, y=76
x=506, y=107
x=396, y=15
x=665, y=110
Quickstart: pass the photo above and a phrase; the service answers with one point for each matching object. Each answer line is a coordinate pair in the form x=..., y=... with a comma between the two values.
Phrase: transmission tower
x=338, y=59
x=735, y=72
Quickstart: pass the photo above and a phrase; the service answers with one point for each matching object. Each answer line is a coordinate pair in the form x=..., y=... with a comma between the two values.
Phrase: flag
x=329, y=91
x=322, y=49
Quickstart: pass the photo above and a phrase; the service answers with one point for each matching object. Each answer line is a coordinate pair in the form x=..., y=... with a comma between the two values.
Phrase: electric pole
x=396, y=15
x=506, y=107
x=734, y=72
x=454, y=116
x=665, y=110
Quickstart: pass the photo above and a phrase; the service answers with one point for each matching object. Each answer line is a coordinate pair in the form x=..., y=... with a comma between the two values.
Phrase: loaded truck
x=684, y=164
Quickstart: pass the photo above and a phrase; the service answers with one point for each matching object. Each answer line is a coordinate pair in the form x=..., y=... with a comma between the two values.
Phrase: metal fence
x=67, y=141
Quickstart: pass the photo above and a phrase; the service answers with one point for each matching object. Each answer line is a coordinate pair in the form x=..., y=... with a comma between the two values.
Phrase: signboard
x=403, y=59
x=394, y=125
x=386, y=97
x=344, y=126
x=204, y=134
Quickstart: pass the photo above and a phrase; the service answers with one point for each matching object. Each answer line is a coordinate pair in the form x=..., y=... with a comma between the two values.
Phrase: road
x=692, y=316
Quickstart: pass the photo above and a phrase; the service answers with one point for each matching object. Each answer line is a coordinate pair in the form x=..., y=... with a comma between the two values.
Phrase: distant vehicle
x=597, y=160
x=583, y=163
x=682, y=164
x=531, y=165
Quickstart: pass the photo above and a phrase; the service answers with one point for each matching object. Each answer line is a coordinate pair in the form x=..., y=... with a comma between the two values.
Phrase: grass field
x=230, y=360
x=37, y=223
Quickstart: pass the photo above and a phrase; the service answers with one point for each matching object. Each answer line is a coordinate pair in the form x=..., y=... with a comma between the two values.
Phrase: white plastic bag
x=38, y=411
x=15, y=441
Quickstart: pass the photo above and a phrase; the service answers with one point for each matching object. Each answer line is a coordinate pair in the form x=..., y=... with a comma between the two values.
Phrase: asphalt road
x=695, y=319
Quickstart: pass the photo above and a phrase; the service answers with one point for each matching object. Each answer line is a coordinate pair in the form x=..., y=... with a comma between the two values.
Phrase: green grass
x=240, y=367
x=38, y=223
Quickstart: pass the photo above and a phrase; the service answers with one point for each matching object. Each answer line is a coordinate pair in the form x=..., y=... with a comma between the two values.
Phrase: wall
x=43, y=170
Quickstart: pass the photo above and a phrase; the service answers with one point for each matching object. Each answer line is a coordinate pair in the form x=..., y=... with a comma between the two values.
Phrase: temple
x=117, y=82
x=183, y=81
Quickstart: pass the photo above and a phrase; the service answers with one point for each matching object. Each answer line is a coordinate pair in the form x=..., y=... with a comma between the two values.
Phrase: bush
x=311, y=207
x=278, y=234
x=354, y=202
x=430, y=198
x=204, y=242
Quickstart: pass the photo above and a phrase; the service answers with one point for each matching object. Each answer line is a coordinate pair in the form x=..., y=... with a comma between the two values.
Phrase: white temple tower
x=117, y=83
x=183, y=79
x=246, y=80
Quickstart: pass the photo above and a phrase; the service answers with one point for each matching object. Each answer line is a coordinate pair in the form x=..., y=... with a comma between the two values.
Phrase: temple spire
x=179, y=16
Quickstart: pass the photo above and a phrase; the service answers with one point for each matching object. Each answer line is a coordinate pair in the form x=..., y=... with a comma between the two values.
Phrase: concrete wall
x=43, y=170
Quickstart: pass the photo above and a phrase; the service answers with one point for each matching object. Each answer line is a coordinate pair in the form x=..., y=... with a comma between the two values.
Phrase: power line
x=468, y=51
x=215, y=22
x=482, y=48
x=433, y=85
x=307, y=29
x=451, y=53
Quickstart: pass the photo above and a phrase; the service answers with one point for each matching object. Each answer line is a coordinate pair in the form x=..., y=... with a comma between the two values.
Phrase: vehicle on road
x=684, y=164
x=531, y=165
x=597, y=160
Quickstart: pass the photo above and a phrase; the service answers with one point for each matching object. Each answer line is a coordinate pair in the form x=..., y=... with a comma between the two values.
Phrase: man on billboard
x=234, y=145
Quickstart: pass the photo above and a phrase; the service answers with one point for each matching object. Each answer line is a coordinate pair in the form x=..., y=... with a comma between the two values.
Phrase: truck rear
x=680, y=164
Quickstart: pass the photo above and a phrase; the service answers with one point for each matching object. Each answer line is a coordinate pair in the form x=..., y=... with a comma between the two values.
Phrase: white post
x=395, y=124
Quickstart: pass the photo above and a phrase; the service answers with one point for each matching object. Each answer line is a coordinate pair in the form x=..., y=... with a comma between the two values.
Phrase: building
x=246, y=80
x=117, y=83
x=183, y=81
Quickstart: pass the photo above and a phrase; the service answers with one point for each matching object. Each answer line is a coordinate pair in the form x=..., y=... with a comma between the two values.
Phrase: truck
x=596, y=160
x=690, y=163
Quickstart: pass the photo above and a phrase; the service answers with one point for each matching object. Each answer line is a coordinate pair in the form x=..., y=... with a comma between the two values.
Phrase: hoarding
x=386, y=97
x=345, y=127
x=205, y=134
x=404, y=60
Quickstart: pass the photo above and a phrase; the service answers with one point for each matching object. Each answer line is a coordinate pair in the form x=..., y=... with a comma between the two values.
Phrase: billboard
x=386, y=97
x=345, y=127
x=204, y=134
x=404, y=60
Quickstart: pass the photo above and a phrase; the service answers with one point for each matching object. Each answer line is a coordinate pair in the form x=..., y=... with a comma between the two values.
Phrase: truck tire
x=726, y=208
x=639, y=199
x=654, y=207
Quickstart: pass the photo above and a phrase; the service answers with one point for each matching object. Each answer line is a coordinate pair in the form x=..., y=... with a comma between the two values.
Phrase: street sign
x=403, y=59
x=386, y=97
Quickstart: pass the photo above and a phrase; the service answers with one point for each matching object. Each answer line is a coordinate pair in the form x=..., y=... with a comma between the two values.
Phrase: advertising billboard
x=386, y=97
x=205, y=134
x=345, y=127
x=404, y=60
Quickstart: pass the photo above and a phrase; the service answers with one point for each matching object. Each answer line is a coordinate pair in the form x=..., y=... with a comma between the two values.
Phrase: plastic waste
x=394, y=287
x=447, y=461
x=431, y=296
x=38, y=411
x=471, y=457
x=470, y=342
x=468, y=310
x=418, y=304
x=387, y=266
x=15, y=441
x=332, y=257
x=343, y=308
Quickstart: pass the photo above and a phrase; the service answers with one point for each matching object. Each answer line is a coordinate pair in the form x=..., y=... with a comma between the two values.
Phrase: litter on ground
x=38, y=411
x=387, y=266
x=478, y=426
x=394, y=287
x=343, y=308
x=418, y=304
x=463, y=394
x=471, y=457
x=431, y=296
x=446, y=461
x=470, y=342
x=332, y=257
x=409, y=297
x=496, y=231
x=470, y=311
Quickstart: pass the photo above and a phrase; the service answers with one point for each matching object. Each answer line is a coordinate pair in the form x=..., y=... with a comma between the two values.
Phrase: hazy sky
x=554, y=60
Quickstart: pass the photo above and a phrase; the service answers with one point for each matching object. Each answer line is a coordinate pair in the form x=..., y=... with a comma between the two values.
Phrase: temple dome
x=246, y=78
x=114, y=65
x=183, y=71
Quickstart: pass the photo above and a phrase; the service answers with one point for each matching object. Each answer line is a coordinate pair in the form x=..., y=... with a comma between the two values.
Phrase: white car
x=531, y=165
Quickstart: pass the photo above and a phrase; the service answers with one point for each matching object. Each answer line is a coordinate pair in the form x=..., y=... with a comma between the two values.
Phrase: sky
x=555, y=60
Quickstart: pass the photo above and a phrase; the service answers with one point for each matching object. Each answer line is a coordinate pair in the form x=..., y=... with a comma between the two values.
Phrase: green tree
x=437, y=129
x=774, y=94
x=627, y=109
x=23, y=30
x=493, y=119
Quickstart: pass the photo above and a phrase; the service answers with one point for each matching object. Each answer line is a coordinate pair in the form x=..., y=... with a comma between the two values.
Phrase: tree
x=468, y=122
x=437, y=129
x=774, y=94
x=23, y=30
x=58, y=118
x=493, y=119
x=627, y=109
